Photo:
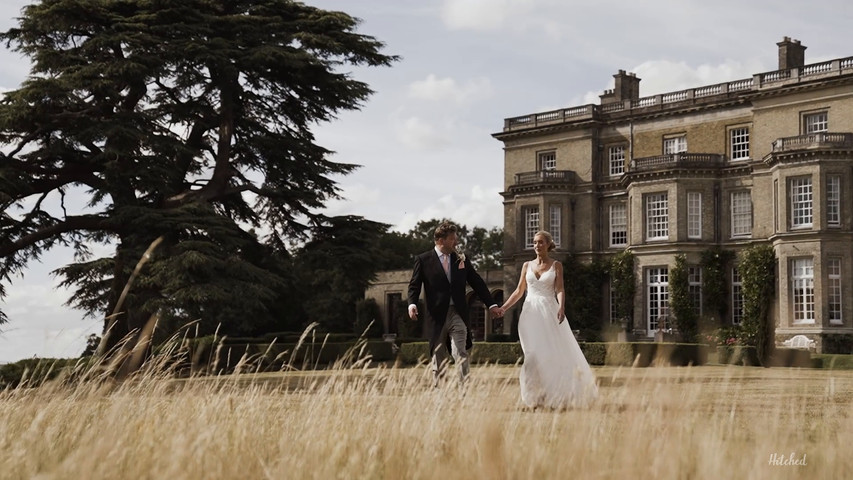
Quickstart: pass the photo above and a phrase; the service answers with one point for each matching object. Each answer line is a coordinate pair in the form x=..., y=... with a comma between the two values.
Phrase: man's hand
x=496, y=312
x=413, y=312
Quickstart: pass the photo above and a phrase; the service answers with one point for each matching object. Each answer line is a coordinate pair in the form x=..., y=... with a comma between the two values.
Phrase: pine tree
x=185, y=120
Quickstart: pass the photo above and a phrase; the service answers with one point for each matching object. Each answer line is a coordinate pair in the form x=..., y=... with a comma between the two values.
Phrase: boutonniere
x=461, y=260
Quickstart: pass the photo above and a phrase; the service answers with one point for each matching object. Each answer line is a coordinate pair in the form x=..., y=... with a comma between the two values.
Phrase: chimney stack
x=791, y=54
x=626, y=86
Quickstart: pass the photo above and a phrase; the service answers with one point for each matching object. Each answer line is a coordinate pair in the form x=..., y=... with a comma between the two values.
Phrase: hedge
x=35, y=371
x=738, y=355
x=832, y=362
x=265, y=356
x=641, y=354
x=791, y=357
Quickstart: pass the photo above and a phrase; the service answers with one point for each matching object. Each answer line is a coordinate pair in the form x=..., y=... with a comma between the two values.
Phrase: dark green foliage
x=33, y=372
x=790, y=357
x=499, y=337
x=619, y=353
x=681, y=305
x=482, y=352
x=251, y=357
x=406, y=327
x=483, y=247
x=337, y=265
x=595, y=353
x=583, y=285
x=738, y=355
x=368, y=319
x=399, y=250
x=837, y=343
x=92, y=342
x=642, y=354
x=833, y=362
x=189, y=120
x=623, y=284
x=757, y=269
x=504, y=353
x=715, y=263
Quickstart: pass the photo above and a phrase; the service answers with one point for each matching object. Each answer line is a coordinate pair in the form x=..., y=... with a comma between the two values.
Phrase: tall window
x=834, y=268
x=548, y=161
x=815, y=123
x=737, y=297
x=657, y=217
x=658, y=295
x=618, y=225
x=531, y=225
x=741, y=214
x=617, y=160
x=694, y=287
x=674, y=144
x=694, y=214
x=801, y=202
x=739, y=141
x=555, y=223
x=833, y=200
x=803, y=286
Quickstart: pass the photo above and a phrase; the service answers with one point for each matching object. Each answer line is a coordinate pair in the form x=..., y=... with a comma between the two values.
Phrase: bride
x=555, y=374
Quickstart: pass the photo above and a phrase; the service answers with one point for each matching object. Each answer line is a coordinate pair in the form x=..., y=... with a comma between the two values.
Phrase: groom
x=443, y=276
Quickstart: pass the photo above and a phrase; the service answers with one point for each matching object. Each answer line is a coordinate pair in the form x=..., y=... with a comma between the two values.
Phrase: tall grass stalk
x=352, y=421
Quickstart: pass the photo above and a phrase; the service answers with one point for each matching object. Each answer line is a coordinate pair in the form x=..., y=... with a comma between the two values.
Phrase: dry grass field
x=387, y=423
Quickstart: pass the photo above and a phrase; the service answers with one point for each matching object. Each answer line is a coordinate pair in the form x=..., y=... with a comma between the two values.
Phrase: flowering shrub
x=724, y=336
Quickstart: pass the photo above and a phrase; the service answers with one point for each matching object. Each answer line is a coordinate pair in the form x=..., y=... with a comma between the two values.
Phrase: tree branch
x=82, y=222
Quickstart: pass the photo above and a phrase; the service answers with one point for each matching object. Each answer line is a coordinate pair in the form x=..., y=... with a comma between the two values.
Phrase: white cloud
x=447, y=89
x=481, y=208
x=662, y=76
x=418, y=134
x=39, y=323
x=356, y=199
x=477, y=14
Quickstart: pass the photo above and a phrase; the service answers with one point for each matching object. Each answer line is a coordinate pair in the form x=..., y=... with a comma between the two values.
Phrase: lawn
x=668, y=422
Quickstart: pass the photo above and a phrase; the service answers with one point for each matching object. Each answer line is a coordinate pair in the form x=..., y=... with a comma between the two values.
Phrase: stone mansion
x=760, y=160
x=766, y=159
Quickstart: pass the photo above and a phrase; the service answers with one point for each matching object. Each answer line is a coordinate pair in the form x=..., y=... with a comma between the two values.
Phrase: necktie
x=445, y=262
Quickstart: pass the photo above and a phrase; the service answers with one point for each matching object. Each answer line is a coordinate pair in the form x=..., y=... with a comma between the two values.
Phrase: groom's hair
x=444, y=229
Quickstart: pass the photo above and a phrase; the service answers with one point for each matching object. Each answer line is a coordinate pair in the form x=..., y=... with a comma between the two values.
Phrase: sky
x=423, y=140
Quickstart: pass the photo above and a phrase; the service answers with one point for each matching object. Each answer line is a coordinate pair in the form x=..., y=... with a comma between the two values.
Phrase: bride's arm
x=519, y=291
x=561, y=291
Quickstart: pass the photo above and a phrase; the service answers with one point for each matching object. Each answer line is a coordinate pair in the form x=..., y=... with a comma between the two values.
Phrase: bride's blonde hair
x=547, y=236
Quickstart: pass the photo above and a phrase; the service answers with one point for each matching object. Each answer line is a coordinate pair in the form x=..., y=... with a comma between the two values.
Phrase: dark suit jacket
x=438, y=291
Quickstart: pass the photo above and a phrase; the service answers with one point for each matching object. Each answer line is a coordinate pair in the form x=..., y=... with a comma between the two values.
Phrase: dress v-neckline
x=543, y=273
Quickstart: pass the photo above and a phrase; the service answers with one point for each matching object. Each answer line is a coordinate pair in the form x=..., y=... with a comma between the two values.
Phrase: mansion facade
x=760, y=160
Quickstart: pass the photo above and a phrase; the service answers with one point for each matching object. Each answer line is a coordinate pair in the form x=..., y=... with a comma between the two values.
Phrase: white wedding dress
x=555, y=374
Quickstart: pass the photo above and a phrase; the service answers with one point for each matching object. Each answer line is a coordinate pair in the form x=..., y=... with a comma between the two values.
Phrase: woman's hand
x=561, y=315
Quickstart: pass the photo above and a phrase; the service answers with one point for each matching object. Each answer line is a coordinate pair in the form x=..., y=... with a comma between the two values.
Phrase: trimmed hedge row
x=832, y=362
x=35, y=371
x=265, y=356
x=641, y=354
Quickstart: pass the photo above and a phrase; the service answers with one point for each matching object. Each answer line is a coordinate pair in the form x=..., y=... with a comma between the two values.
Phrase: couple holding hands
x=555, y=374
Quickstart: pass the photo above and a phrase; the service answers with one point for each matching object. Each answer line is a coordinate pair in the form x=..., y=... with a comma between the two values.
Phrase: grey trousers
x=455, y=327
